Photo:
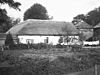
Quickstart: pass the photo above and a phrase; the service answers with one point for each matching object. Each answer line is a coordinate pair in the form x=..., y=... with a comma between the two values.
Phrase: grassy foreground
x=46, y=62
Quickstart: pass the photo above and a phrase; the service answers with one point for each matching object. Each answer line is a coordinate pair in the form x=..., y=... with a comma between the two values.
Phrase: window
x=46, y=40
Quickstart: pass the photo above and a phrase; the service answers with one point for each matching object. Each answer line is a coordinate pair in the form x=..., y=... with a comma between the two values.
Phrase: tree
x=15, y=21
x=37, y=11
x=5, y=20
x=9, y=40
x=11, y=3
x=92, y=17
x=78, y=18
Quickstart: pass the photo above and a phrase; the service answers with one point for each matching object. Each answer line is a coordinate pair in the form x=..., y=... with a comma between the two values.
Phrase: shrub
x=9, y=41
x=59, y=46
x=41, y=46
x=20, y=46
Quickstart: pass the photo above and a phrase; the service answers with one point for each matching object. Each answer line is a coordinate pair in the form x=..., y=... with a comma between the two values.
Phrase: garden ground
x=58, y=61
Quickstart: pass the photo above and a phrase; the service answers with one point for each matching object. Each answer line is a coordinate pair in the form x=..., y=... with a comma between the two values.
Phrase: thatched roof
x=83, y=25
x=43, y=27
x=97, y=26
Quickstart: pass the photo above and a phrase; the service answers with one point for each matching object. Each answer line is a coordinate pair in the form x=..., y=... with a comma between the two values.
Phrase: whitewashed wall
x=71, y=40
x=39, y=39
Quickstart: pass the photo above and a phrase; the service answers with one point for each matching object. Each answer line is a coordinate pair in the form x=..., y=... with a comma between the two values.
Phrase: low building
x=83, y=25
x=85, y=29
x=97, y=32
x=45, y=31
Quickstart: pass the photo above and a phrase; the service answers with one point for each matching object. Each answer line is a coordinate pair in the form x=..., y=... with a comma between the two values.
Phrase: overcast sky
x=61, y=10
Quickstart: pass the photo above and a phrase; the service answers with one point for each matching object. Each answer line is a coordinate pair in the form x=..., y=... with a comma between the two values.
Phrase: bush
x=31, y=46
x=22, y=46
x=59, y=46
x=41, y=46
x=17, y=47
x=9, y=40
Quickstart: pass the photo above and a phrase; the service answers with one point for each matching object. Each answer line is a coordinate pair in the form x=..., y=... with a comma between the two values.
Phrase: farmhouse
x=45, y=31
x=85, y=29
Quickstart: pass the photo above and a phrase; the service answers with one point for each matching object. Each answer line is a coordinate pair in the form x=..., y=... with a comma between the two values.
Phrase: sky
x=61, y=10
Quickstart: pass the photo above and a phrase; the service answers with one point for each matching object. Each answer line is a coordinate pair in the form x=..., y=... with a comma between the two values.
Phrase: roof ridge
x=45, y=20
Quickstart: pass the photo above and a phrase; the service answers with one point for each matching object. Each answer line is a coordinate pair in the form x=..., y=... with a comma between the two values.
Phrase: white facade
x=54, y=40
x=38, y=39
x=71, y=40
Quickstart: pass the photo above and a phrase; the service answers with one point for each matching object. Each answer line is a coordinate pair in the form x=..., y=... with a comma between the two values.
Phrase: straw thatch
x=43, y=27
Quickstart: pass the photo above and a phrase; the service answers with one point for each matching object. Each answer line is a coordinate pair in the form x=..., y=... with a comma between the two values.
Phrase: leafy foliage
x=15, y=21
x=92, y=17
x=9, y=40
x=6, y=23
x=78, y=19
x=37, y=11
x=5, y=20
x=11, y=3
